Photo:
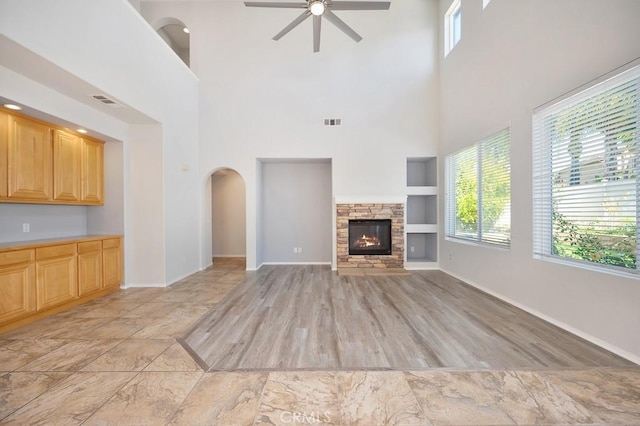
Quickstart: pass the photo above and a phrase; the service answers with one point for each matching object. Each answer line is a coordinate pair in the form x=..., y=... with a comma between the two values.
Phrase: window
x=586, y=175
x=478, y=192
x=452, y=26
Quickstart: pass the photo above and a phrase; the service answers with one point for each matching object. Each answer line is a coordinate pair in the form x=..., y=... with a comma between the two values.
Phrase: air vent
x=107, y=101
x=332, y=121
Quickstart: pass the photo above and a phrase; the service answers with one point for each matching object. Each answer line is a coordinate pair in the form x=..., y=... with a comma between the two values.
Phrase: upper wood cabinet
x=29, y=160
x=40, y=163
x=66, y=166
x=92, y=171
x=4, y=140
x=78, y=169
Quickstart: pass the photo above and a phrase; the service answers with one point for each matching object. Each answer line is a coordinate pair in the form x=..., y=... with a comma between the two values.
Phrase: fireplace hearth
x=370, y=237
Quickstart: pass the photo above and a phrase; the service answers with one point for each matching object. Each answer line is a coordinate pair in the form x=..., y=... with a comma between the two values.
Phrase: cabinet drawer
x=55, y=251
x=111, y=243
x=18, y=256
x=89, y=246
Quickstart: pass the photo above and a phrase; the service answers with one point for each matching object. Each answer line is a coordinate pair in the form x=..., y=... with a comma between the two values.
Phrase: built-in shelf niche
x=422, y=210
x=421, y=230
x=422, y=247
x=422, y=171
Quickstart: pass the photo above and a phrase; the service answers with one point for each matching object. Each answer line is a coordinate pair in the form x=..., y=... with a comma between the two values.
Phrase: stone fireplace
x=368, y=235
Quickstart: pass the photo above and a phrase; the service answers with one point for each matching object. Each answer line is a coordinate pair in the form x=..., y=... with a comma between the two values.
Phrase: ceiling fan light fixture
x=317, y=7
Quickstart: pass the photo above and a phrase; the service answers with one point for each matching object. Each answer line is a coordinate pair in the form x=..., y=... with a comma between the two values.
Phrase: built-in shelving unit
x=421, y=228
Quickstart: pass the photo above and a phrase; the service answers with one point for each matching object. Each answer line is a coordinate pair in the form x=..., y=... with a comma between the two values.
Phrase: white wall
x=228, y=214
x=513, y=57
x=297, y=210
x=267, y=99
x=134, y=66
x=109, y=219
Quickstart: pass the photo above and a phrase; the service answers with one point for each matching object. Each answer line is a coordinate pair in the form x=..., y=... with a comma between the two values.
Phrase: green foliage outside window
x=584, y=243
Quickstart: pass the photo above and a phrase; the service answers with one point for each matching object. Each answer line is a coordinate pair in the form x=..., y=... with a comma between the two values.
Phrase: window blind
x=585, y=185
x=478, y=191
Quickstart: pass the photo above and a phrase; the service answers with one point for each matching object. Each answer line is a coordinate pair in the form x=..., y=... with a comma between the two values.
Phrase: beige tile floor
x=115, y=361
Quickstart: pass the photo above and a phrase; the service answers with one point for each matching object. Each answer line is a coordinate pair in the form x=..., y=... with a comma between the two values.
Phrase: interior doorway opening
x=228, y=216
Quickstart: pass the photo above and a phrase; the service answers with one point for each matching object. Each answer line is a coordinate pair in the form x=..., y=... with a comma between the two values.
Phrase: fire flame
x=366, y=241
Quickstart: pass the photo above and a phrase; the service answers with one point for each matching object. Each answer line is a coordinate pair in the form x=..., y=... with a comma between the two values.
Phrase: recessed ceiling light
x=186, y=30
x=83, y=131
x=13, y=107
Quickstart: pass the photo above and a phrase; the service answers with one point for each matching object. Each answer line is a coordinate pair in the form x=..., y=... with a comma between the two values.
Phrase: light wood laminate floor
x=309, y=318
x=115, y=361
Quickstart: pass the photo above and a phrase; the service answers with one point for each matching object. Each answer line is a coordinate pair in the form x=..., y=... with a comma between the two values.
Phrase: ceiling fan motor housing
x=319, y=9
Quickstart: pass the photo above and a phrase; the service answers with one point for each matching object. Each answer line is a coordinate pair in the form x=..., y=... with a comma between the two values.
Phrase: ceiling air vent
x=107, y=101
x=332, y=121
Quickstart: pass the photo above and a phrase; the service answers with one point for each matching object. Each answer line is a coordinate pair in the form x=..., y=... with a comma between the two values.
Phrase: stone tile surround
x=393, y=211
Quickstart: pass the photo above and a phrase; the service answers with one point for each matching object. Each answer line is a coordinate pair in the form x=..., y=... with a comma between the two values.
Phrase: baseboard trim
x=229, y=255
x=409, y=267
x=145, y=285
x=586, y=336
x=294, y=263
x=255, y=269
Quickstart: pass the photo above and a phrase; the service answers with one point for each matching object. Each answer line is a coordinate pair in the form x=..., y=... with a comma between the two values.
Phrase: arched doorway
x=228, y=215
x=176, y=34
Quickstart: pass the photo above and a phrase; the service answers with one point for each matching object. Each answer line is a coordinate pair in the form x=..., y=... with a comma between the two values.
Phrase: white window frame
x=543, y=178
x=451, y=233
x=449, y=26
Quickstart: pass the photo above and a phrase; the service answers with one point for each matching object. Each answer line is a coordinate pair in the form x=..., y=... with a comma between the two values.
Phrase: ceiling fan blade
x=317, y=22
x=292, y=25
x=275, y=4
x=341, y=25
x=360, y=5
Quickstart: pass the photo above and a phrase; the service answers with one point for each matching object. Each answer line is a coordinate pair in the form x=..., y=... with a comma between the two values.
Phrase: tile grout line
x=255, y=418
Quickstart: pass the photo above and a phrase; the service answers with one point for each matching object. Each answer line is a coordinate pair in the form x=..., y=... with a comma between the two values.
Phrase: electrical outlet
x=295, y=249
x=299, y=249
x=25, y=227
x=412, y=249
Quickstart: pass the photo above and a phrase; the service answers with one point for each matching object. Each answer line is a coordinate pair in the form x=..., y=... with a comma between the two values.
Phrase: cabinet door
x=92, y=171
x=4, y=142
x=89, y=270
x=56, y=281
x=112, y=262
x=29, y=160
x=17, y=291
x=67, y=152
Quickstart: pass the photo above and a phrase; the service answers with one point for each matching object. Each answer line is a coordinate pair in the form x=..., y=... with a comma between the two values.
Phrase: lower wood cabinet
x=112, y=262
x=44, y=278
x=56, y=276
x=90, y=277
x=17, y=285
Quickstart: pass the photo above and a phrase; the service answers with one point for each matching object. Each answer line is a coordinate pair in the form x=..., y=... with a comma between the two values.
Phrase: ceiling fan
x=319, y=9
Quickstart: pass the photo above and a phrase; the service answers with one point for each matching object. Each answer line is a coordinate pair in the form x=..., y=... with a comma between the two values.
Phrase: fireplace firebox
x=370, y=236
